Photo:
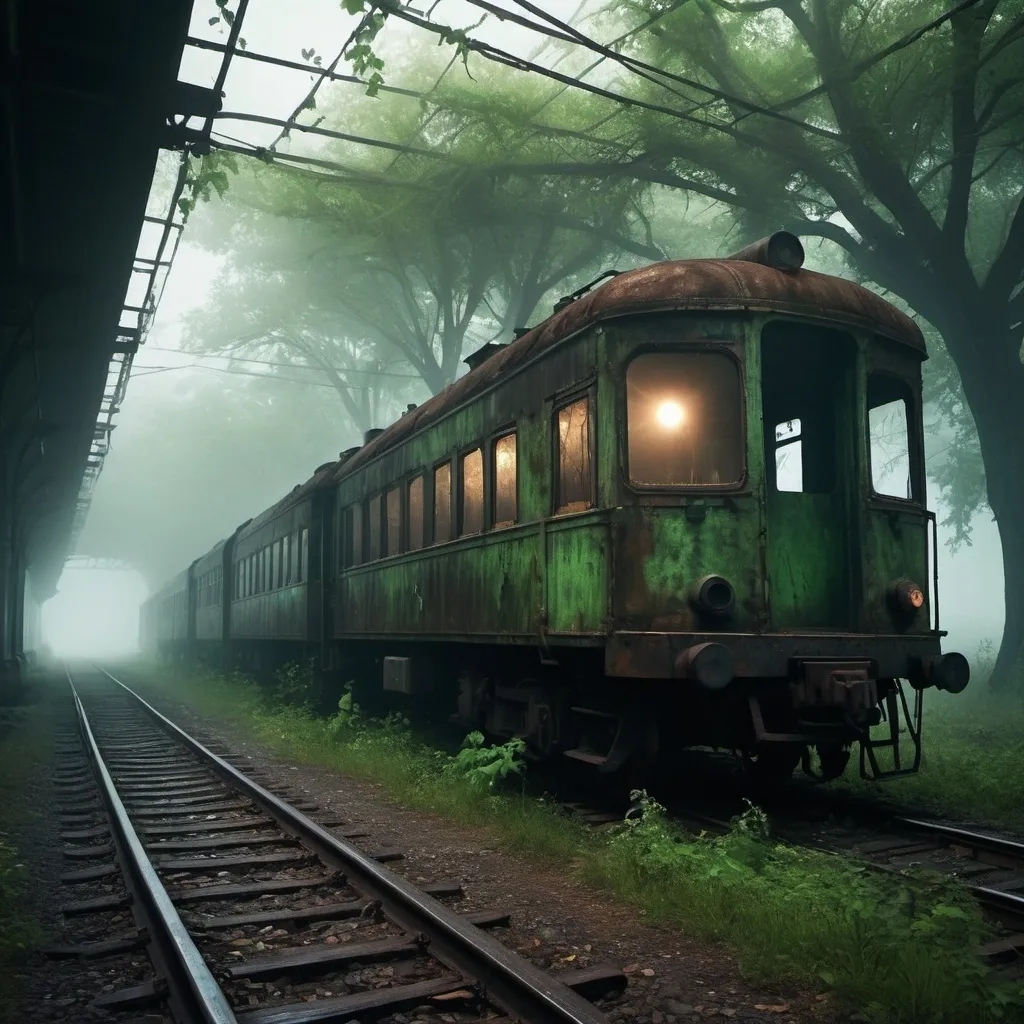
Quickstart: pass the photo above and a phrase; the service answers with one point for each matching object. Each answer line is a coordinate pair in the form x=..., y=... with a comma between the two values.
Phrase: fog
x=205, y=441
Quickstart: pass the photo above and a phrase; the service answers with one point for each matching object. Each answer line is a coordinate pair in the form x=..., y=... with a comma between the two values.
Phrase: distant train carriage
x=686, y=510
x=165, y=617
x=275, y=610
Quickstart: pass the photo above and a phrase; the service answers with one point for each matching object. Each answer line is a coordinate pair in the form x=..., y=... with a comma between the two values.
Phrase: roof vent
x=374, y=432
x=781, y=251
x=320, y=469
x=348, y=453
x=518, y=332
x=481, y=355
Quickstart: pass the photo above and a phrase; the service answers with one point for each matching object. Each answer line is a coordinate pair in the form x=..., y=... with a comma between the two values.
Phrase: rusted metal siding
x=276, y=612
x=694, y=286
x=513, y=584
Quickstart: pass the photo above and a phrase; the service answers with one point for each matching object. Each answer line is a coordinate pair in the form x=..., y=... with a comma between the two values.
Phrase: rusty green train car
x=687, y=510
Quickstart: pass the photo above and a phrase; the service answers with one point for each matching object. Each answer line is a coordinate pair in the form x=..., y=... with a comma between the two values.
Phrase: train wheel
x=773, y=763
x=833, y=760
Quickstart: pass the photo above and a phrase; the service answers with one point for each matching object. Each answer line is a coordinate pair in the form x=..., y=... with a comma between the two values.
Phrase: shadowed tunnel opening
x=95, y=612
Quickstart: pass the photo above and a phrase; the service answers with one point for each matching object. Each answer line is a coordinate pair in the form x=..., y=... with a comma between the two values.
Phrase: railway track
x=991, y=866
x=251, y=911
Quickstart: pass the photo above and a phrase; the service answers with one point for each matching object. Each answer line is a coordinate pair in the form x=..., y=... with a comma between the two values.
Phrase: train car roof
x=212, y=554
x=722, y=285
x=298, y=494
x=177, y=583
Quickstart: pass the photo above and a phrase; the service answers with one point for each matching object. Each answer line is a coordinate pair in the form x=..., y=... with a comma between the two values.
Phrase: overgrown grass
x=973, y=753
x=24, y=747
x=898, y=950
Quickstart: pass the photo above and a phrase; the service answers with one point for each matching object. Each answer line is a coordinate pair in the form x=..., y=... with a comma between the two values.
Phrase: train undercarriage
x=814, y=719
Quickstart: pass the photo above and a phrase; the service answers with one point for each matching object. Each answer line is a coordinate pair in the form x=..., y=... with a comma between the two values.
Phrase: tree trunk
x=987, y=356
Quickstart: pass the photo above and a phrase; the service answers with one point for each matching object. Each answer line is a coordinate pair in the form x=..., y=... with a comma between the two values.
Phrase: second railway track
x=232, y=889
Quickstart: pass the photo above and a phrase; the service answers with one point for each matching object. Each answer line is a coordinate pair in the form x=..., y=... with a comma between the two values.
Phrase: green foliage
x=489, y=767
x=893, y=948
x=348, y=716
x=292, y=684
x=896, y=949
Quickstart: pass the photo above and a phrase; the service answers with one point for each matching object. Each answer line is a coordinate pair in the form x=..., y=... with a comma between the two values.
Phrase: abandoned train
x=686, y=510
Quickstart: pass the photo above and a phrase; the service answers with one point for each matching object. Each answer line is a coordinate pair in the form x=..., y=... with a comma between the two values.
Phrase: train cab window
x=505, y=483
x=443, y=503
x=286, y=562
x=416, y=513
x=789, y=465
x=471, y=479
x=393, y=504
x=889, y=404
x=574, y=486
x=806, y=375
x=373, y=522
x=685, y=420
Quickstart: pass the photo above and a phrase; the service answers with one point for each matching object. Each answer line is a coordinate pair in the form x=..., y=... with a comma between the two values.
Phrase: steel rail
x=1008, y=849
x=502, y=977
x=194, y=995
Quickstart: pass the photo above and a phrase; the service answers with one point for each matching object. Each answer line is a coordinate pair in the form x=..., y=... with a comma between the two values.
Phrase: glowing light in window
x=670, y=415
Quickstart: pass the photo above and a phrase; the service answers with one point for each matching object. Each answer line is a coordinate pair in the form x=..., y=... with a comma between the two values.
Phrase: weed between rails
x=898, y=951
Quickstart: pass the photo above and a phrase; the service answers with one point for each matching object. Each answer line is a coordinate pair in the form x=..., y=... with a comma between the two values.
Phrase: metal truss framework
x=151, y=268
x=83, y=562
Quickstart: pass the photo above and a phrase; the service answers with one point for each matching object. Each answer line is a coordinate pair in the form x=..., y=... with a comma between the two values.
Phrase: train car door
x=808, y=387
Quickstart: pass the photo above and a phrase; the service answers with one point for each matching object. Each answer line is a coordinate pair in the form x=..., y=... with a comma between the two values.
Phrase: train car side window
x=416, y=513
x=393, y=504
x=685, y=420
x=505, y=481
x=443, y=503
x=373, y=517
x=889, y=404
x=352, y=536
x=251, y=586
x=286, y=560
x=304, y=557
x=471, y=487
x=275, y=565
x=574, y=484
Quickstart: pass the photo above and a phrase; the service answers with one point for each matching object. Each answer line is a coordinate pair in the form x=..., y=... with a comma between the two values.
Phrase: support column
x=9, y=674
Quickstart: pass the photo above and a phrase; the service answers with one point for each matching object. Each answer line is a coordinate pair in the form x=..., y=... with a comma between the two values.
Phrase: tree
x=892, y=129
x=394, y=262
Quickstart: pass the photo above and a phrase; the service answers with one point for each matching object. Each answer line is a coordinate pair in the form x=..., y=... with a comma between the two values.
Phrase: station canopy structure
x=91, y=97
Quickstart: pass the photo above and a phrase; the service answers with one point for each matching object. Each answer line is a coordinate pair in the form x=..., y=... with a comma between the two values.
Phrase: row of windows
x=277, y=565
x=485, y=492
x=209, y=588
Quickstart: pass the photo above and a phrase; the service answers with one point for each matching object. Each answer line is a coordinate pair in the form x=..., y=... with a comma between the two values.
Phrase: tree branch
x=1008, y=267
x=968, y=32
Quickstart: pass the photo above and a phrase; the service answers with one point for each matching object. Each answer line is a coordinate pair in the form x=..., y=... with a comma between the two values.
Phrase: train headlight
x=906, y=598
x=713, y=595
